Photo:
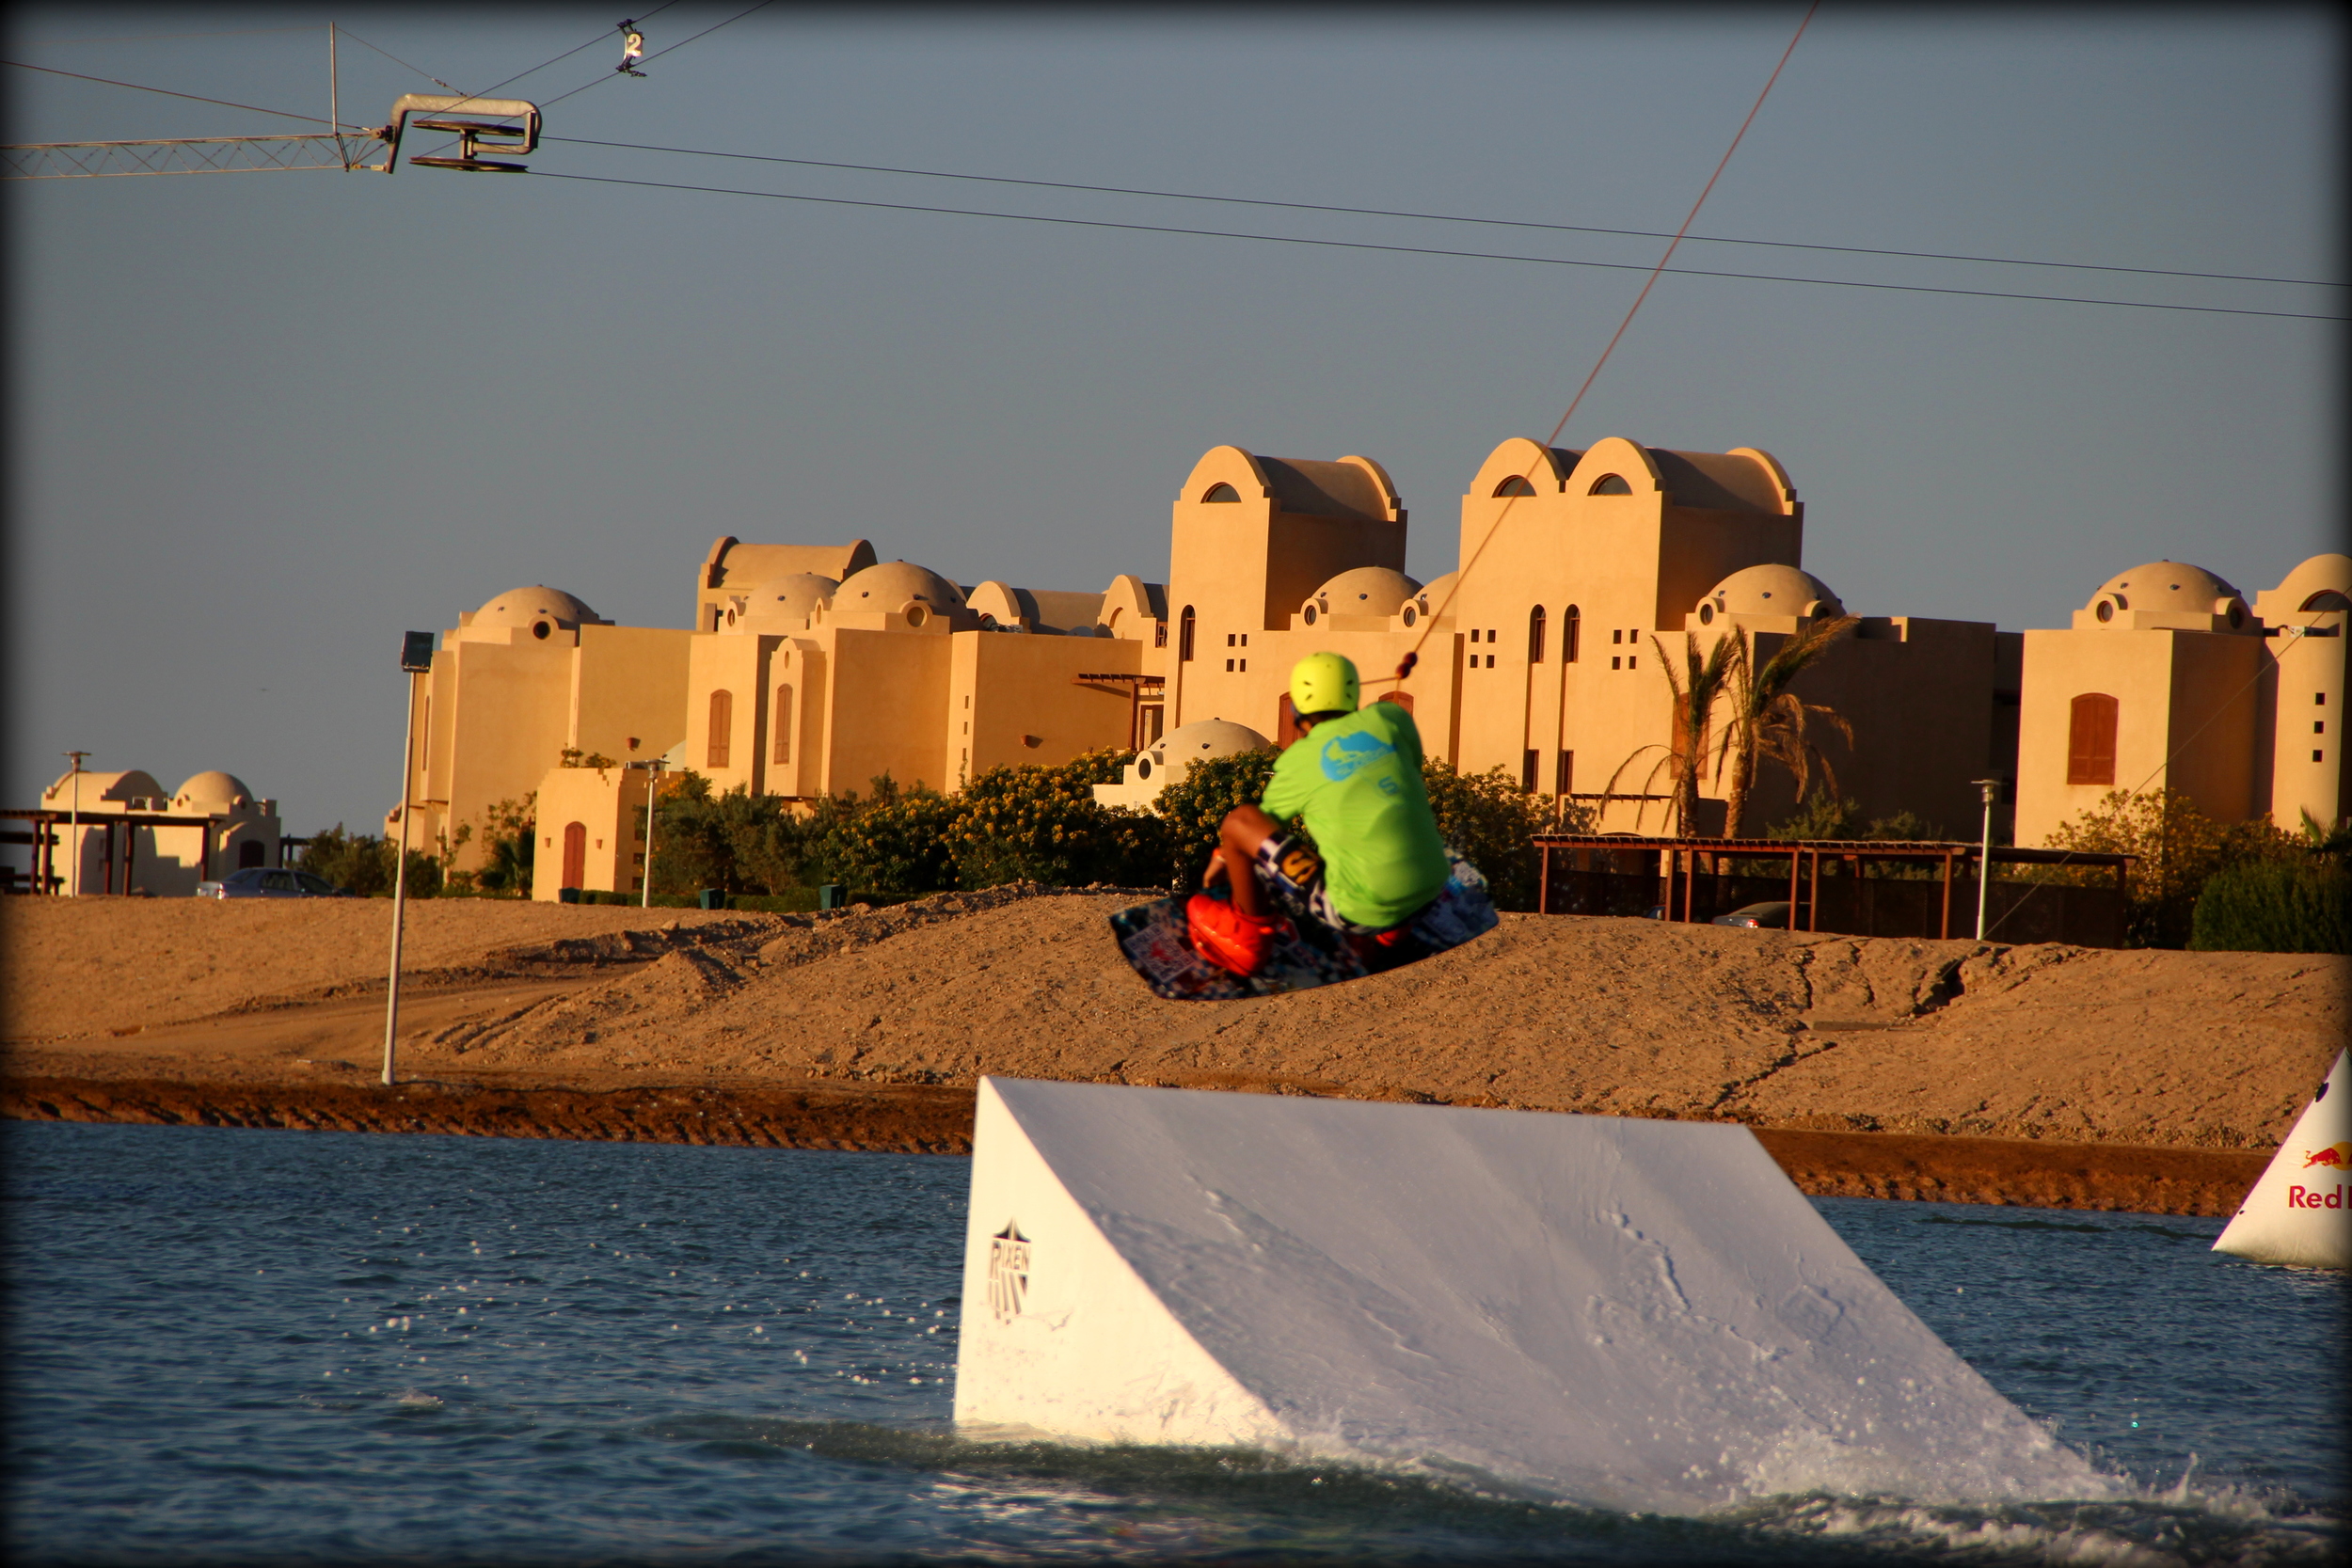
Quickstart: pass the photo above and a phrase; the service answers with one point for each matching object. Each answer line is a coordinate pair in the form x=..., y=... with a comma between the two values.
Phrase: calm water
x=325, y=1347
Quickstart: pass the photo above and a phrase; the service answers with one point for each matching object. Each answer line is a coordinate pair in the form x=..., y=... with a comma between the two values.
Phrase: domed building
x=2169, y=679
x=1168, y=759
x=134, y=837
x=533, y=678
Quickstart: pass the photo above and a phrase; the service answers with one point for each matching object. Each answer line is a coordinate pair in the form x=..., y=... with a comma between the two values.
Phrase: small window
x=1228, y=666
x=1611, y=484
x=2319, y=757
x=2319, y=699
x=1571, y=622
x=2091, y=740
x=1184, y=637
x=1616, y=661
x=1707, y=612
x=1631, y=660
x=1491, y=661
x=1222, y=493
x=1231, y=638
x=2105, y=611
x=721, y=730
x=1616, y=636
x=540, y=629
x=1516, y=485
x=2319, y=726
x=1245, y=667
x=1568, y=771
x=1528, y=762
x=1534, y=656
x=779, y=724
x=1159, y=634
x=1473, y=634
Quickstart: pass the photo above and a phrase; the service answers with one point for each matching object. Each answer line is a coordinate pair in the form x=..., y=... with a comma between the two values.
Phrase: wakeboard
x=1305, y=953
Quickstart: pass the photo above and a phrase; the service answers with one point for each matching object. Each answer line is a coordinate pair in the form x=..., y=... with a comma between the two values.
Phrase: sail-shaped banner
x=1634, y=1314
x=2300, y=1211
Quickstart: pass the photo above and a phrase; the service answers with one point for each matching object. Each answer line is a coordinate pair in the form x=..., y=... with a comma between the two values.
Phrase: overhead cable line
x=1425, y=250
x=135, y=87
x=1434, y=217
x=1461, y=573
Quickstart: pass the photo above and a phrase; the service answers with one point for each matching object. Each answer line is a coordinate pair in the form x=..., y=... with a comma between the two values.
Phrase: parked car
x=1770, y=916
x=260, y=882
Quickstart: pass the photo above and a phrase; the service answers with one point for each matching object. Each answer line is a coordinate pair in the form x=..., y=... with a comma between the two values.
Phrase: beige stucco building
x=2169, y=679
x=516, y=683
x=813, y=670
x=137, y=837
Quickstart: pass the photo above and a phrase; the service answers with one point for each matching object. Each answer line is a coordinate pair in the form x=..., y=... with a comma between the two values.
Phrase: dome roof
x=534, y=607
x=213, y=787
x=132, y=783
x=1772, y=590
x=781, y=604
x=2165, y=585
x=1366, y=590
x=1174, y=753
x=890, y=585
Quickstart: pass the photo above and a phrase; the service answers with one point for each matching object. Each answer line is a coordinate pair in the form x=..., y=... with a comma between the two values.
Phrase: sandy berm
x=1967, y=1071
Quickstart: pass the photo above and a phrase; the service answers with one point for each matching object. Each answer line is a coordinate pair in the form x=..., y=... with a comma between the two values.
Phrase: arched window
x=1535, y=641
x=779, y=724
x=2327, y=599
x=1571, y=622
x=1610, y=484
x=721, y=730
x=1221, y=491
x=1515, y=485
x=2091, y=740
x=1184, y=637
x=251, y=853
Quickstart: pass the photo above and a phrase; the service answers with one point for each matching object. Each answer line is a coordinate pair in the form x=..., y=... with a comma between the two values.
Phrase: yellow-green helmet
x=1325, y=683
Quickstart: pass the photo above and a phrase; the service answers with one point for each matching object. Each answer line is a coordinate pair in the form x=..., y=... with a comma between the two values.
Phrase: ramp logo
x=1007, y=1272
x=2335, y=1157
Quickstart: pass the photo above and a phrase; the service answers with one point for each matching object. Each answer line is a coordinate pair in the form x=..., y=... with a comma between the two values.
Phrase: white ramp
x=2297, y=1212
x=1642, y=1315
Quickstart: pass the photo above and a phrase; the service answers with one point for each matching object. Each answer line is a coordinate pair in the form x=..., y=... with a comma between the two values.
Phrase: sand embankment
x=2022, y=1075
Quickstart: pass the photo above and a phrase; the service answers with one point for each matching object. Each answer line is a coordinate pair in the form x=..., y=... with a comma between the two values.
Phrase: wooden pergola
x=1680, y=862
x=42, y=835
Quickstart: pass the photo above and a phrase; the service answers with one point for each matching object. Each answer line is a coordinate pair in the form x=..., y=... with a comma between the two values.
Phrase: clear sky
x=262, y=424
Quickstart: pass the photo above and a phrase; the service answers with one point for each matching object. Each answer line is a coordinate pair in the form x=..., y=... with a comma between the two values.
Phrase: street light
x=416, y=658
x=653, y=787
x=73, y=866
x=1992, y=788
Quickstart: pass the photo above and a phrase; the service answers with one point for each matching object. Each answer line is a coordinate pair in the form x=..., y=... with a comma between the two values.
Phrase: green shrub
x=2276, y=905
x=1191, y=809
x=2179, y=848
x=363, y=864
x=1492, y=822
x=1043, y=824
x=896, y=842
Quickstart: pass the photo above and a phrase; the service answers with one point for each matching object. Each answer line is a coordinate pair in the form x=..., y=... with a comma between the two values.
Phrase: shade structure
x=1634, y=1314
x=2301, y=1209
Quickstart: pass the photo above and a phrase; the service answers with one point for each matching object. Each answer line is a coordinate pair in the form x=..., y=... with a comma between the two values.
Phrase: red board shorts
x=1296, y=874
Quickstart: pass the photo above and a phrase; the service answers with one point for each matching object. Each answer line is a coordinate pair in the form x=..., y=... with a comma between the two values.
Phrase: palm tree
x=1768, y=721
x=1696, y=690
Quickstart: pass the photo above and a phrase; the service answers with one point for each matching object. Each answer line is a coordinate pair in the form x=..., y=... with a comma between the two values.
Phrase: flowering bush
x=1043, y=824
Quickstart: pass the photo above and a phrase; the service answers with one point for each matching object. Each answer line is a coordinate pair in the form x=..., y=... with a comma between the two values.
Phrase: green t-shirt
x=1357, y=780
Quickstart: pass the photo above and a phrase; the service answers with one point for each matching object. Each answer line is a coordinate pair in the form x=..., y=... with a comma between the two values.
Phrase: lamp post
x=73, y=867
x=1992, y=788
x=653, y=788
x=416, y=658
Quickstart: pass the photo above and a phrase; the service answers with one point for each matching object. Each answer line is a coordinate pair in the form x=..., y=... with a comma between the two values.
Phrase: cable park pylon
x=508, y=126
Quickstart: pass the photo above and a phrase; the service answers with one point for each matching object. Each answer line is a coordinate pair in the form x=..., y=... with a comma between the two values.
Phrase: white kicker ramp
x=2297, y=1212
x=1642, y=1315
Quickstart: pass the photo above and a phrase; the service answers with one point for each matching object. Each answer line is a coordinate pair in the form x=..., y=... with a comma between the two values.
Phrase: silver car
x=260, y=882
